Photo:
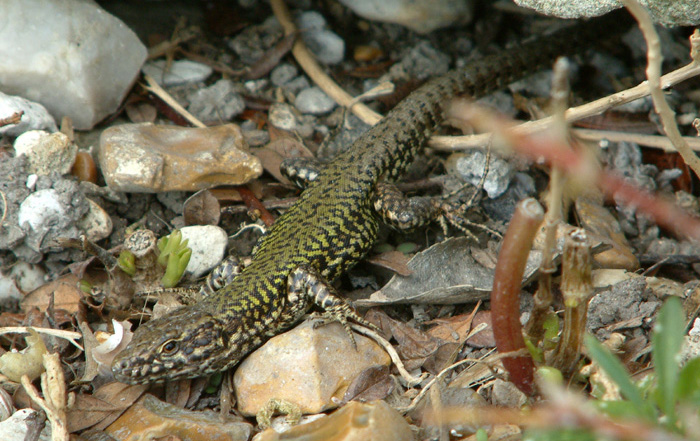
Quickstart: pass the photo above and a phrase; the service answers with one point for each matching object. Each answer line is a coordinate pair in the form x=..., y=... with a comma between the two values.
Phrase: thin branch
x=153, y=87
x=410, y=379
x=450, y=143
x=654, y=58
x=71, y=336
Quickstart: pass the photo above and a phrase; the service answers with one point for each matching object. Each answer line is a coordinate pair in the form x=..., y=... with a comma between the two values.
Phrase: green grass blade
x=666, y=340
x=618, y=374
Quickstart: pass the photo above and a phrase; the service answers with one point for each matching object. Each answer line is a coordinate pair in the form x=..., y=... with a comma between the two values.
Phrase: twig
x=68, y=335
x=450, y=143
x=15, y=118
x=410, y=379
x=153, y=87
x=581, y=168
x=654, y=141
x=654, y=58
x=307, y=62
x=4, y=208
x=53, y=385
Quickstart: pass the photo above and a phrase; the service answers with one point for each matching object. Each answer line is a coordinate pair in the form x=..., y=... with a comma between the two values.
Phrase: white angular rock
x=34, y=115
x=71, y=56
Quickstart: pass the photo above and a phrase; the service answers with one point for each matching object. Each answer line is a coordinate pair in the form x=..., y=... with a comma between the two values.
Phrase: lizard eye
x=169, y=347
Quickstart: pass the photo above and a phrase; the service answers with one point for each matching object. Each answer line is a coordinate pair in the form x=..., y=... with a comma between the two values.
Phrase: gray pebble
x=314, y=101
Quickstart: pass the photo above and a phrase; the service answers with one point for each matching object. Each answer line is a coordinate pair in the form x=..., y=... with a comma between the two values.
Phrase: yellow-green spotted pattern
x=330, y=228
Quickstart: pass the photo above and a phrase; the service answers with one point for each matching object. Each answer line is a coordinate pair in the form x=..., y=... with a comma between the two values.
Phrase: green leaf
x=618, y=374
x=666, y=340
x=688, y=385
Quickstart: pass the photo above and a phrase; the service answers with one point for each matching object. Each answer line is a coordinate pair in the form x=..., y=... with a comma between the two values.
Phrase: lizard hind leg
x=307, y=282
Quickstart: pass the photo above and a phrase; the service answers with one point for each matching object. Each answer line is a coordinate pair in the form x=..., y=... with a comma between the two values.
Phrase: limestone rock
x=71, y=56
x=418, y=15
x=313, y=368
x=150, y=418
x=47, y=152
x=148, y=158
x=375, y=421
x=668, y=13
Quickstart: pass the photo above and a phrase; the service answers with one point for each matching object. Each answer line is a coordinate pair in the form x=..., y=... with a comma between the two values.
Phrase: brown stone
x=312, y=368
x=148, y=158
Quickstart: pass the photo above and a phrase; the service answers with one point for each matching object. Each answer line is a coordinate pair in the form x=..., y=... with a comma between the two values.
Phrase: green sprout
x=174, y=256
x=126, y=262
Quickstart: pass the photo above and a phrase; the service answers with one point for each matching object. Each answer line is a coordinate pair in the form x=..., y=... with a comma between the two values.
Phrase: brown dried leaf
x=102, y=408
x=64, y=291
x=272, y=155
x=485, y=338
x=395, y=261
x=373, y=383
x=141, y=112
x=202, y=208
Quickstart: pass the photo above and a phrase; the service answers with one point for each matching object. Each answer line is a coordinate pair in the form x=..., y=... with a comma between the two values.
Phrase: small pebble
x=177, y=73
x=326, y=45
x=314, y=101
x=283, y=73
x=218, y=102
x=282, y=116
x=208, y=244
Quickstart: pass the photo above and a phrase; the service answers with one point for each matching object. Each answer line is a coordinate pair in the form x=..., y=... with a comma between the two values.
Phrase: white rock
x=208, y=244
x=20, y=424
x=179, y=72
x=282, y=116
x=34, y=117
x=419, y=15
x=41, y=209
x=47, y=152
x=71, y=56
x=327, y=46
x=27, y=276
x=314, y=101
x=668, y=13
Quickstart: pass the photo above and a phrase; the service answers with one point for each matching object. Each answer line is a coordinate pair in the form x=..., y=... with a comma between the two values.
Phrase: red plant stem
x=255, y=205
x=505, y=297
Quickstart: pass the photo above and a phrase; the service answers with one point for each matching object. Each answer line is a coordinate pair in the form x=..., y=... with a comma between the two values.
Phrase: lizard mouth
x=146, y=373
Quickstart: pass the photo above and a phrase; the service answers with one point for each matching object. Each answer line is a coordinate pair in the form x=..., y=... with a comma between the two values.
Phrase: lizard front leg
x=306, y=283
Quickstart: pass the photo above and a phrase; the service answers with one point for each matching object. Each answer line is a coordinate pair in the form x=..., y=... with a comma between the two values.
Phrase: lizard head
x=187, y=343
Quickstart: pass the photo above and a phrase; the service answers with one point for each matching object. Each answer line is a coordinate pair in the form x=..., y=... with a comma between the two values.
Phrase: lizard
x=329, y=229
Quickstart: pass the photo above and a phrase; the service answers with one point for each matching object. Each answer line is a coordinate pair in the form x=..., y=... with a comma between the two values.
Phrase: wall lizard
x=332, y=226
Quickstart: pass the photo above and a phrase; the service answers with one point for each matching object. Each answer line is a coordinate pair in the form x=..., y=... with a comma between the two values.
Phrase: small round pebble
x=283, y=73
x=282, y=116
x=327, y=46
x=314, y=101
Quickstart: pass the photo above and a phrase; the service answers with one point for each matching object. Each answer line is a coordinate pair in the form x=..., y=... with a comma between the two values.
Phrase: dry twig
x=654, y=58
x=53, y=386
